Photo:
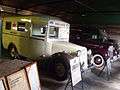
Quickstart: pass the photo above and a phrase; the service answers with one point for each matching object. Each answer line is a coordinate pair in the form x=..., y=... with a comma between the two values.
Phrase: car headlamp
x=78, y=53
x=89, y=52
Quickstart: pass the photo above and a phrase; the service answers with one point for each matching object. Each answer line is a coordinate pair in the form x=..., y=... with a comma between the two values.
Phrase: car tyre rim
x=97, y=61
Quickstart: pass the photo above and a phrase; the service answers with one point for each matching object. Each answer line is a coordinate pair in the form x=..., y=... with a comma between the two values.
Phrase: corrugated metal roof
x=68, y=10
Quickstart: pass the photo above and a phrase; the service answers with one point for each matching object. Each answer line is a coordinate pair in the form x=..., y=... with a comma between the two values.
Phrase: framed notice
x=18, y=81
x=75, y=70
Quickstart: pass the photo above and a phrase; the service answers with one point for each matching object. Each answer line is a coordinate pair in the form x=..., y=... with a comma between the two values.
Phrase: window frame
x=21, y=28
x=8, y=27
x=39, y=27
x=57, y=34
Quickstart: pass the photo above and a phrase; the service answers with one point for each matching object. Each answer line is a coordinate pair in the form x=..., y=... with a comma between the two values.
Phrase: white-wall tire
x=98, y=61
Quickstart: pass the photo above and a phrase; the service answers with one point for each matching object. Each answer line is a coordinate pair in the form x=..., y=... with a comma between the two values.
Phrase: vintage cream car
x=33, y=36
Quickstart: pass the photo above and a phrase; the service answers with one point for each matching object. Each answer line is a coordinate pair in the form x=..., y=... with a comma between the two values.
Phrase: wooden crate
x=19, y=75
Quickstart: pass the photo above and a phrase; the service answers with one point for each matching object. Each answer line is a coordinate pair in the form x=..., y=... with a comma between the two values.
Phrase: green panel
x=99, y=19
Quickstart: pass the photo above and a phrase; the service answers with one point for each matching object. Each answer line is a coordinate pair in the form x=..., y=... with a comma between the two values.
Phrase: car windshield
x=98, y=36
x=93, y=35
x=39, y=30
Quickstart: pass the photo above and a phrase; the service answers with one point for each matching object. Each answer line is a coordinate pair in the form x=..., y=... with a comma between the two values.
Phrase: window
x=94, y=36
x=53, y=32
x=8, y=25
x=38, y=30
x=21, y=26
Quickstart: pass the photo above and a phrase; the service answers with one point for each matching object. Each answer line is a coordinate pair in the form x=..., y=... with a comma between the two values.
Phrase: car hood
x=71, y=48
x=67, y=47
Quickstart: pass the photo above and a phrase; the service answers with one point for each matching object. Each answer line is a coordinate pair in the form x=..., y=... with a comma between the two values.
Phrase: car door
x=7, y=32
x=21, y=37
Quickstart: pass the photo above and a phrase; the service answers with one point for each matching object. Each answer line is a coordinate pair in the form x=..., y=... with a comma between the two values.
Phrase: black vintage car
x=98, y=41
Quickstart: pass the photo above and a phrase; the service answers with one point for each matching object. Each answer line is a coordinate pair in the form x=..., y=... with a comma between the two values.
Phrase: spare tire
x=60, y=66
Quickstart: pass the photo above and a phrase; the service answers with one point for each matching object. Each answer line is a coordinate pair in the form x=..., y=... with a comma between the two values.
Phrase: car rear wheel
x=13, y=52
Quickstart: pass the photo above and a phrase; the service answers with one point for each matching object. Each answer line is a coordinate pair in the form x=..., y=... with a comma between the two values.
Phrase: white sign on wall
x=75, y=70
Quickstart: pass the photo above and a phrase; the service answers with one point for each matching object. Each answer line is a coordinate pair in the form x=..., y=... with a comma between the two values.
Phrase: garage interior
x=77, y=13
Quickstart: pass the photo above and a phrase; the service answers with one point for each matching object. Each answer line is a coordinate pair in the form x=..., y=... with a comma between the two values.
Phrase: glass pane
x=38, y=30
x=53, y=32
x=21, y=26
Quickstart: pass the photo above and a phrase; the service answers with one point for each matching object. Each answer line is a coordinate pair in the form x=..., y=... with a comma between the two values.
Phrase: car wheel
x=60, y=66
x=13, y=52
x=98, y=61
